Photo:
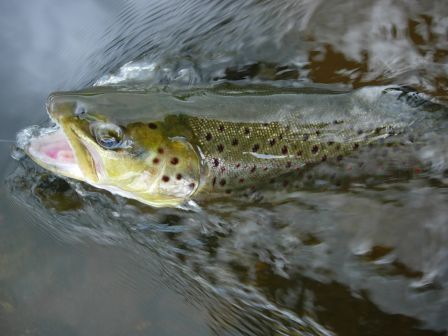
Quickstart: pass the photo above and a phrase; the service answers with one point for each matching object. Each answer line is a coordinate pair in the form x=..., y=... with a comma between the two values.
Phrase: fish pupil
x=108, y=136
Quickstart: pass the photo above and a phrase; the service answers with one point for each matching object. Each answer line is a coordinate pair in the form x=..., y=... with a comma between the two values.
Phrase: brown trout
x=164, y=147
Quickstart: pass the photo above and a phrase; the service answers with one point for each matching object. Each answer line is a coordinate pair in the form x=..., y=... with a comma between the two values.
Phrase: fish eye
x=108, y=136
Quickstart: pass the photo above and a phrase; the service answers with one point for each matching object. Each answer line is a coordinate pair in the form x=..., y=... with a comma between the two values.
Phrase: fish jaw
x=54, y=152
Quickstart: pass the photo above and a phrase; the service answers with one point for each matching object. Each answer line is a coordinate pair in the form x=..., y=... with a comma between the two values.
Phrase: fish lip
x=51, y=160
x=93, y=154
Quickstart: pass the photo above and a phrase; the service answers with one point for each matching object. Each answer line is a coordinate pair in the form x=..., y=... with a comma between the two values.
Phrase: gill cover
x=136, y=160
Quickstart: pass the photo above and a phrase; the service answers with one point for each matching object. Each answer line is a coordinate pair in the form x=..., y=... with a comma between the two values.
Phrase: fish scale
x=239, y=154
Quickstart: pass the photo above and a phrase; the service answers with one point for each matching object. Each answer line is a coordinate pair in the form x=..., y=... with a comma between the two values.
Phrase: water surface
x=354, y=255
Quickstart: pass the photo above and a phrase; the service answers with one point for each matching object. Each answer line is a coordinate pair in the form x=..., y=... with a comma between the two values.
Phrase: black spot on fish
x=253, y=169
x=235, y=142
x=338, y=147
x=165, y=178
x=280, y=137
x=288, y=164
x=324, y=158
x=208, y=136
x=306, y=137
x=214, y=181
x=339, y=158
x=220, y=147
x=241, y=180
x=271, y=181
x=155, y=160
x=355, y=146
x=285, y=183
x=192, y=185
x=221, y=128
x=174, y=161
x=178, y=176
x=246, y=130
x=317, y=132
x=255, y=148
x=272, y=142
x=160, y=150
x=330, y=143
x=222, y=182
x=299, y=153
x=152, y=126
x=238, y=165
x=284, y=150
x=265, y=168
x=378, y=130
x=228, y=191
x=315, y=149
x=265, y=124
x=215, y=162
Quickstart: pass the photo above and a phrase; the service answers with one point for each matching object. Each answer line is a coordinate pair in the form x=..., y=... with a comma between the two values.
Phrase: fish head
x=136, y=160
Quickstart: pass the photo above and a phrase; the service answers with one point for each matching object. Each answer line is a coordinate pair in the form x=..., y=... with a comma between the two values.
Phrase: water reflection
x=356, y=255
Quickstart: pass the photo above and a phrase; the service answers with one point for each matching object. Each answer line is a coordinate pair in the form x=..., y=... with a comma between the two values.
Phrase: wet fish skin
x=175, y=146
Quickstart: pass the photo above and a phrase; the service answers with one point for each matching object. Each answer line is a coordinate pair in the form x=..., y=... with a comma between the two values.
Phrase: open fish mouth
x=54, y=152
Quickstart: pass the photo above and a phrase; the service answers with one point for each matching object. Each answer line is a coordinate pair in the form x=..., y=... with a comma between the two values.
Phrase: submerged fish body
x=164, y=147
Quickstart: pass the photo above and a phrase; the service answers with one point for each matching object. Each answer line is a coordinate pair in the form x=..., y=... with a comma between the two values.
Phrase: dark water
x=361, y=258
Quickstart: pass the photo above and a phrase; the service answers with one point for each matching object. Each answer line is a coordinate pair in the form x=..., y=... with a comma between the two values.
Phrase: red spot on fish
x=160, y=150
x=241, y=180
x=178, y=177
x=417, y=170
x=238, y=165
x=155, y=160
x=174, y=161
x=165, y=178
x=192, y=185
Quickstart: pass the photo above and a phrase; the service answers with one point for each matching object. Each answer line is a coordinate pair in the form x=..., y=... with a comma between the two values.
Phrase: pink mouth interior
x=60, y=151
x=54, y=152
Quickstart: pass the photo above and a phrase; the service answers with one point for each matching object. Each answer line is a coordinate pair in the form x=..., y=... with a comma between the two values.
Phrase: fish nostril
x=80, y=110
